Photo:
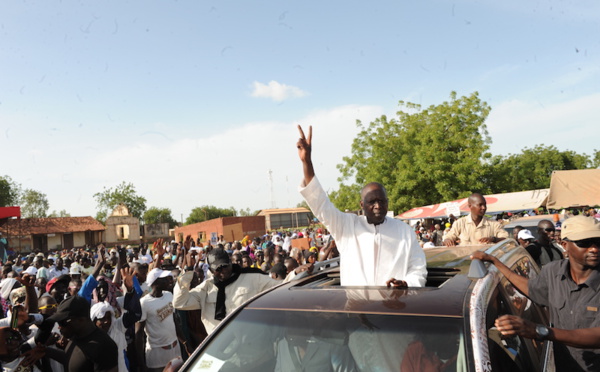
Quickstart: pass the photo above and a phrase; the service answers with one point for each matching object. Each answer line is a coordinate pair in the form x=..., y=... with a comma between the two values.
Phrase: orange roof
x=52, y=225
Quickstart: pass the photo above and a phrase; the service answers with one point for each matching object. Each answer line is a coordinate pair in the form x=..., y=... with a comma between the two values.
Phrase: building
x=53, y=233
x=232, y=228
x=122, y=228
x=153, y=231
x=286, y=218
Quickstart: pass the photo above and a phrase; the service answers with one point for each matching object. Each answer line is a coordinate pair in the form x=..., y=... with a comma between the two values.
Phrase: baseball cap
x=580, y=227
x=218, y=258
x=156, y=273
x=72, y=307
x=53, y=281
x=428, y=245
x=74, y=270
x=31, y=270
x=525, y=235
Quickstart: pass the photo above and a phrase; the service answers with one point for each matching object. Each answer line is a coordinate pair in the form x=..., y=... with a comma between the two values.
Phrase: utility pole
x=271, y=188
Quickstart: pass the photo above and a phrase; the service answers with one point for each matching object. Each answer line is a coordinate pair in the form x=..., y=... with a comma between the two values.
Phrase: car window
x=507, y=354
x=269, y=340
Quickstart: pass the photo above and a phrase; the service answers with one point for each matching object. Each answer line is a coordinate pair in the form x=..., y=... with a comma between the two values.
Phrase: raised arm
x=304, y=152
x=122, y=253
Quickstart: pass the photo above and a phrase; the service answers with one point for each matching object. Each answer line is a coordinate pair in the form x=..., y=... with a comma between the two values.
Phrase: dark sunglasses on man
x=585, y=243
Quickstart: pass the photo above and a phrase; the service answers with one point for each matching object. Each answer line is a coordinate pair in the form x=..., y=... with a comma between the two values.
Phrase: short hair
x=279, y=269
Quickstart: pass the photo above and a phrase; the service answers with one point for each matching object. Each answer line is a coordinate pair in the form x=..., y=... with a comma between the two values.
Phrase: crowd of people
x=139, y=308
x=147, y=308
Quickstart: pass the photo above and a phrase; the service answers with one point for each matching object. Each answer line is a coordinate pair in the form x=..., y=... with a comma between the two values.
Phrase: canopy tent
x=574, y=188
x=496, y=203
x=8, y=212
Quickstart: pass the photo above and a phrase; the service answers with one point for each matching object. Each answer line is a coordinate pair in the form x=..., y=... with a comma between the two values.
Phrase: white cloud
x=276, y=91
x=227, y=169
x=571, y=124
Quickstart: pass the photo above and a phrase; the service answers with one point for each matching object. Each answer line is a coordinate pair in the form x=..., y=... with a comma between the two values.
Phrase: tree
x=208, y=212
x=595, y=159
x=532, y=168
x=34, y=204
x=247, y=212
x=422, y=156
x=62, y=213
x=124, y=193
x=10, y=192
x=159, y=215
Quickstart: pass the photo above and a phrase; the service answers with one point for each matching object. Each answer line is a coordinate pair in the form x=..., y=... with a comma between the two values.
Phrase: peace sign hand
x=304, y=144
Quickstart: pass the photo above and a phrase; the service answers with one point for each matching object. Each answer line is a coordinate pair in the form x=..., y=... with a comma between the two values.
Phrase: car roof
x=443, y=296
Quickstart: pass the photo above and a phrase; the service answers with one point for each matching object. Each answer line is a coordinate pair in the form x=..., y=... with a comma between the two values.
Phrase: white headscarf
x=7, y=286
x=100, y=309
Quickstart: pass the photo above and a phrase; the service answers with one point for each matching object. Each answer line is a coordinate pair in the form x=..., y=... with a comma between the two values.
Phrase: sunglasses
x=585, y=243
x=549, y=229
x=51, y=306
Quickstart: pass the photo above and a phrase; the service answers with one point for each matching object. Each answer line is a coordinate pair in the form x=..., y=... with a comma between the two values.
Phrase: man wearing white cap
x=525, y=239
x=158, y=323
x=571, y=291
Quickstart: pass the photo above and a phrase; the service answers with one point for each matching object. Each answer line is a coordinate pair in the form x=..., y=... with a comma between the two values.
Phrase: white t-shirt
x=158, y=314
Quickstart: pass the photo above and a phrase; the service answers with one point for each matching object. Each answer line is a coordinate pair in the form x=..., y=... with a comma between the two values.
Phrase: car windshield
x=275, y=340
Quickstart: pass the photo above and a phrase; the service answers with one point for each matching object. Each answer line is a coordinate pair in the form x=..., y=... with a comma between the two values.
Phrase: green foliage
x=34, y=204
x=10, y=192
x=347, y=197
x=247, y=212
x=124, y=193
x=62, y=213
x=422, y=156
x=101, y=216
x=208, y=212
x=532, y=168
x=159, y=215
x=595, y=162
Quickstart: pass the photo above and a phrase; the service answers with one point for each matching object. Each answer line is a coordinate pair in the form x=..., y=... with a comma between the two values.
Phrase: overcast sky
x=196, y=102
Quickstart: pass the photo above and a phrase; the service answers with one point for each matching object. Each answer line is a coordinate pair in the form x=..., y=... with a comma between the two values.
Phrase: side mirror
x=477, y=270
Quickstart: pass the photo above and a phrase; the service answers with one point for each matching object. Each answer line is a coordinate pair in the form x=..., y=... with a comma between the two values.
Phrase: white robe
x=369, y=254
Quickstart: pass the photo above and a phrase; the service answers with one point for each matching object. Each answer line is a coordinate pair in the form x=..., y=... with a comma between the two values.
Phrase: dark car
x=314, y=324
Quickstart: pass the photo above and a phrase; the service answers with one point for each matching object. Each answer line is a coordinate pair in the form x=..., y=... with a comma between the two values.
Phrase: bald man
x=475, y=228
x=375, y=250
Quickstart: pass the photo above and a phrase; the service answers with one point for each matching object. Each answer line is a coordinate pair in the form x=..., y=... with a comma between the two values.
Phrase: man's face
x=59, y=263
x=586, y=257
x=102, y=290
x=546, y=231
x=74, y=287
x=9, y=342
x=236, y=259
x=59, y=290
x=246, y=261
x=222, y=273
x=67, y=327
x=478, y=206
x=105, y=322
x=141, y=273
x=47, y=305
x=374, y=204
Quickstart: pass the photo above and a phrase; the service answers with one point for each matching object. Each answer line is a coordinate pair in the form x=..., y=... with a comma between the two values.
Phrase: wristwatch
x=542, y=332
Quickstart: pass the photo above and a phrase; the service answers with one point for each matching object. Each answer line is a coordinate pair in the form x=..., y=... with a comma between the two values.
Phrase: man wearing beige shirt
x=475, y=228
